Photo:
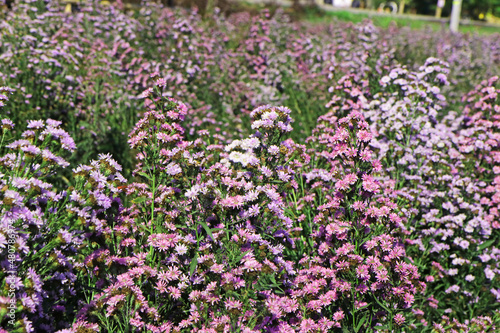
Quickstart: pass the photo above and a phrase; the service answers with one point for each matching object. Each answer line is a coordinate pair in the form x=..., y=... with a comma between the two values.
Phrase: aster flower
x=173, y=169
x=36, y=124
x=7, y=124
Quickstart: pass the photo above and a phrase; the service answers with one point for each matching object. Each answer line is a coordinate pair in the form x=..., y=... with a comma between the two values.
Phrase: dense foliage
x=160, y=173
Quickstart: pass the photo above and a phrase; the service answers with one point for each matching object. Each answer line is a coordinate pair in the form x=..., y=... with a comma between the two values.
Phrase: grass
x=317, y=15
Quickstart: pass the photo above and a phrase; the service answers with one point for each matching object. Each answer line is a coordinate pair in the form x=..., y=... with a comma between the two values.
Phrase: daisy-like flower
x=162, y=241
x=488, y=273
x=251, y=196
x=252, y=265
x=342, y=185
x=181, y=249
x=244, y=158
x=232, y=304
x=253, y=210
x=174, y=292
x=307, y=325
x=7, y=124
x=250, y=143
x=173, y=169
x=283, y=176
x=36, y=124
x=399, y=319
x=338, y=316
x=233, y=202
x=363, y=272
x=469, y=278
x=358, y=206
x=408, y=299
x=266, y=171
x=370, y=184
x=273, y=150
x=364, y=136
x=384, y=81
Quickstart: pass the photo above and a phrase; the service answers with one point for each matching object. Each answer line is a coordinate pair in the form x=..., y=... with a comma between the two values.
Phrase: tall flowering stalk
x=434, y=161
x=36, y=245
x=47, y=231
x=207, y=226
x=358, y=275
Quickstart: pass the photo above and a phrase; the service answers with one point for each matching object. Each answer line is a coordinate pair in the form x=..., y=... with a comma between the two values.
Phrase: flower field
x=160, y=172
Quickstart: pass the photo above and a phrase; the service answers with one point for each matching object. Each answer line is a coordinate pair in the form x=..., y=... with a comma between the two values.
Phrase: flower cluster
x=378, y=212
x=34, y=243
x=217, y=244
x=436, y=161
x=359, y=257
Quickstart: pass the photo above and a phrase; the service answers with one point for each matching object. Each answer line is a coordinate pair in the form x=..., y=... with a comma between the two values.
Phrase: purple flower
x=489, y=274
x=7, y=124
x=452, y=289
x=36, y=124
x=173, y=169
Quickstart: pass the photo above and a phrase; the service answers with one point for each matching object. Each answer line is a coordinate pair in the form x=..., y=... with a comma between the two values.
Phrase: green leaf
x=381, y=327
x=485, y=244
x=241, y=256
x=380, y=303
x=139, y=200
x=193, y=264
x=207, y=229
x=145, y=175
x=360, y=323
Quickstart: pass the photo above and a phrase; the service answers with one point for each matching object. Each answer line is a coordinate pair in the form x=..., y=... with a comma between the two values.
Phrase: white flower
x=270, y=115
x=469, y=278
x=192, y=192
x=173, y=169
x=250, y=143
x=489, y=273
x=181, y=249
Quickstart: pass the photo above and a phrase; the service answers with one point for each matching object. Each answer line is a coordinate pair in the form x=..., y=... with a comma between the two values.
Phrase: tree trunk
x=402, y=6
x=455, y=15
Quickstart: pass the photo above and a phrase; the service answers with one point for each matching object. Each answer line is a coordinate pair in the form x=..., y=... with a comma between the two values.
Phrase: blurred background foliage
x=473, y=9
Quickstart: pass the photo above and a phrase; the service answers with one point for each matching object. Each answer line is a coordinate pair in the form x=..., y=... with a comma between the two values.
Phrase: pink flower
x=399, y=319
x=161, y=286
x=342, y=185
x=345, y=249
x=370, y=244
x=174, y=292
x=314, y=305
x=233, y=202
x=162, y=241
x=252, y=265
x=364, y=136
x=274, y=306
x=359, y=304
x=489, y=273
x=137, y=321
x=338, y=316
x=307, y=325
x=409, y=299
x=382, y=275
x=362, y=272
x=370, y=184
x=358, y=206
x=171, y=274
x=233, y=304
x=173, y=169
x=351, y=178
